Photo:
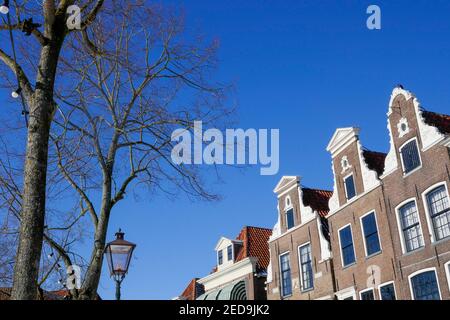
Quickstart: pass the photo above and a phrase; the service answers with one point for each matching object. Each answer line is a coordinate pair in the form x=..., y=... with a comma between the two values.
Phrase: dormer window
x=220, y=257
x=230, y=252
x=410, y=156
x=290, y=219
x=350, y=189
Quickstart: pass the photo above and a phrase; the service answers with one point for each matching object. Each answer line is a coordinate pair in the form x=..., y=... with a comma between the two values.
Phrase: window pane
x=220, y=254
x=412, y=234
x=368, y=295
x=425, y=286
x=371, y=234
x=387, y=292
x=290, y=218
x=439, y=208
x=230, y=253
x=350, y=187
x=348, y=254
x=306, y=267
x=410, y=156
x=285, y=270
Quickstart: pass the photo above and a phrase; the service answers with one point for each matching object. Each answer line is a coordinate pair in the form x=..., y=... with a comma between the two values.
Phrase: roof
x=375, y=160
x=317, y=200
x=255, y=243
x=440, y=121
x=5, y=294
x=193, y=290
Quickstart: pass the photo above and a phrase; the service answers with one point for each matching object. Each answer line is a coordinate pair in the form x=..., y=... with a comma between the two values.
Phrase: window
x=290, y=219
x=410, y=156
x=230, y=252
x=347, y=250
x=424, y=286
x=410, y=225
x=306, y=267
x=350, y=187
x=387, y=292
x=439, y=210
x=370, y=231
x=367, y=295
x=220, y=257
x=285, y=269
x=447, y=271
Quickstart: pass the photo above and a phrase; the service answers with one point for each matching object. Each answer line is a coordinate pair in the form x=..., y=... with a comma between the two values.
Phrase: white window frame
x=232, y=251
x=400, y=228
x=300, y=271
x=340, y=246
x=427, y=210
x=447, y=273
x=287, y=203
x=363, y=234
x=354, y=185
x=401, y=156
x=346, y=293
x=386, y=284
x=367, y=290
x=281, y=277
x=419, y=272
x=223, y=260
x=286, y=209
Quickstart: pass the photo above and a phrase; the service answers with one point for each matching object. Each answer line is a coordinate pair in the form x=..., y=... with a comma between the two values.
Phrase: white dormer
x=226, y=250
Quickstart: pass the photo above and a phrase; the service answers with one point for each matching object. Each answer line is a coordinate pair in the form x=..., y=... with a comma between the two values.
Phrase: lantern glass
x=118, y=254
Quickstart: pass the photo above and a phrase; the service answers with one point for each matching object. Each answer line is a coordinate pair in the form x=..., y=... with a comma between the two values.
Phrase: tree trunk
x=33, y=207
x=93, y=273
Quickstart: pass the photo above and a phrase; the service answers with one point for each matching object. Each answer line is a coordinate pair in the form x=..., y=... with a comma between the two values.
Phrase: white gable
x=341, y=138
x=286, y=181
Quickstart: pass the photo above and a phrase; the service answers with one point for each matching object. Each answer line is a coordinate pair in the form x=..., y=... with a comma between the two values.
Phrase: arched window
x=424, y=286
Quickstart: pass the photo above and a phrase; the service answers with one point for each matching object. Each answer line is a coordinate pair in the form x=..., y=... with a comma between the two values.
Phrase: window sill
x=349, y=266
x=411, y=172
x=307, y=290
x=436, y=243
x=406, y=254
x=374, y=255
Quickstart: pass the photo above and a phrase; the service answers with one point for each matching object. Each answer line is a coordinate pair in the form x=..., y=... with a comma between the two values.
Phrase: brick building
x=240, y=272
x=386, y=223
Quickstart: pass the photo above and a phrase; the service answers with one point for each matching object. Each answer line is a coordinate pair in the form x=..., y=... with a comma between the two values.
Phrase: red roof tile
x=440, y=121
x=193, y=290
x=255, y=244
x=317, y=200
x=375, y=160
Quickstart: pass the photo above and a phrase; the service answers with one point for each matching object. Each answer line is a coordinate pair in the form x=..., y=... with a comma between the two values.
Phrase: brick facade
x=391, y=220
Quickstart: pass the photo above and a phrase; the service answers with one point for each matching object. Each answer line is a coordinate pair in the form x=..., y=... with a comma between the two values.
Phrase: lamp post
x=118, y=254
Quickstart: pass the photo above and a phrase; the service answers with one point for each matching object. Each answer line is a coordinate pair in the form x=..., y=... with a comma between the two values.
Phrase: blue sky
x=305, y=67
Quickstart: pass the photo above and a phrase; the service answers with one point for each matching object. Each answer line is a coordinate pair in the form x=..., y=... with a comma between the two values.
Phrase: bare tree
x=130, y=77
x=40, y=99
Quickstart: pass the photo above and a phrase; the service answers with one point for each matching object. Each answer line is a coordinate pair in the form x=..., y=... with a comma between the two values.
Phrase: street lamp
x=118, y=254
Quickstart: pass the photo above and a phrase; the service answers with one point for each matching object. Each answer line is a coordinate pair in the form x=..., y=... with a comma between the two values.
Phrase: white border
x=363, y=233
x=300, y=271
x=384, y=285
x=281, y=277
x=399, y=224
x=447, y=272
x=427, y=210
x=354, y=186
x=412, y=275
x=401, y=157
x=340, y=245
x=367, y=290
